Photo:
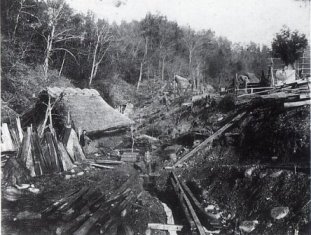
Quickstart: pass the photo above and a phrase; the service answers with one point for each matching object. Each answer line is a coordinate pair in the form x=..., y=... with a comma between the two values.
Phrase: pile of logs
x=89, y=210
x=38, y=154
x=43, y=155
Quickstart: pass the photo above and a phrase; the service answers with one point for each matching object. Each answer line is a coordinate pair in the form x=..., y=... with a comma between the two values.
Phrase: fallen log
x=101, y=213
x=297, y=104
x=167, y=227
x=110, y=162
x=205, y=216
x=56, y=204
x=101, y=166
x=210, y=139
x=86, y=200
x=189, y=206
x=183, y=204
x=77, y=197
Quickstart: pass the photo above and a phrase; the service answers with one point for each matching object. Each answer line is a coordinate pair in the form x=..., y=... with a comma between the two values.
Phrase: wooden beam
x=297, y=104
x=167, y=227
x=101, y=166
x=183, y=205
x=19, y=128
x=111, y=162
x=210, y=139
x=196, y=220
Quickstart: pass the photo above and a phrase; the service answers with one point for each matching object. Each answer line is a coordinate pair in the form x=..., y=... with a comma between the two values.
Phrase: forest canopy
x=89, y=50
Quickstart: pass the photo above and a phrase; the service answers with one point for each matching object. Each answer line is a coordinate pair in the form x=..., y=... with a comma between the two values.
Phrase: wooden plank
x=167, y=227
x=101, y=166
x=198, y=205
x=279, y=95
x=28, y=158
x=210, y=139
x=39, y=152
x=304, y=96
x=15, y=138
x=297, y=104
x=52, y=152
x=110, y=162
x=58, y=154
x=189, y=206
x=66, y=160
x=19, y=129
x=35, y=157
x=183, y=205
x=6, y=139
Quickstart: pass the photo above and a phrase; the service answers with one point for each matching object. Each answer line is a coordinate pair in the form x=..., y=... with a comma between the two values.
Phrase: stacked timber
x=41, y=156
x=89, y=210
x=7, y=144
x=291, y=95
x=72, y=145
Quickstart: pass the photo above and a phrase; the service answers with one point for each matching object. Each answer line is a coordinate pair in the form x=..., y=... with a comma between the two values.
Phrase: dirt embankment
x=267, y=167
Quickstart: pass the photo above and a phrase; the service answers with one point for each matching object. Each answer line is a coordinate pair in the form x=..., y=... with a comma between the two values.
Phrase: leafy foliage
x=289, y=45
x=80, y=47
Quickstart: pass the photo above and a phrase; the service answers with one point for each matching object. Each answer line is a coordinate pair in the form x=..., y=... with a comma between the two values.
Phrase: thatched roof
x=88, y=110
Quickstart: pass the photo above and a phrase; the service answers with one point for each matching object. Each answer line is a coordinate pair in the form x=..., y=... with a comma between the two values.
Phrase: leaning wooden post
x=19, y=128
x=272, y=77
x=45, y=119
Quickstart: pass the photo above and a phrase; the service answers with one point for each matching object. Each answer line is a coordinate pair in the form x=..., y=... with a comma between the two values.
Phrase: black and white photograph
x=155, y=117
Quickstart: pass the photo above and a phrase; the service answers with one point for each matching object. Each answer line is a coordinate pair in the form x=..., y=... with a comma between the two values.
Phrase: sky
x=241, y=21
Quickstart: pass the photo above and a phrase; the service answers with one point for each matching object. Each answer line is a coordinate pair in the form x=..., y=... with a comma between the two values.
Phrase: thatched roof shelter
x=86, y=108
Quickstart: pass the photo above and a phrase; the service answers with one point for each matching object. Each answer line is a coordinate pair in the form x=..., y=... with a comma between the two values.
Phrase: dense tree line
x=89, y=50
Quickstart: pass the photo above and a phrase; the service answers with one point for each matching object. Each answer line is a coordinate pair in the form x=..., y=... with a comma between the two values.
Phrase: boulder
x=248, y=226
x=279, y=212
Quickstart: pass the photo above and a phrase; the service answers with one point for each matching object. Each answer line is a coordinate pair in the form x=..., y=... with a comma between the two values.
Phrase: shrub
x=226, y=104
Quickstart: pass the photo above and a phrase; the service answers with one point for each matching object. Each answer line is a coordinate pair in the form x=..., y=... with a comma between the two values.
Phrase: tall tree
x=57, y=30
x=289, y=45
x=101, y=45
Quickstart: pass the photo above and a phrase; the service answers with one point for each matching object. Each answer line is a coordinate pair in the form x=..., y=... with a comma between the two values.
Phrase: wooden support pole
x=183, y=205
x=210, y=139
x=19, y=128
x=196, y=220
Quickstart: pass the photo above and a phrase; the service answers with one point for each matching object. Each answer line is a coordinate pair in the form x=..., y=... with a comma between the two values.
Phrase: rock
x=80, y=173
x=210, y=208
x=72, y=171
x=34, y=190
x=279, y=212
x=27, y=215
x=248, y=226
x=248, y=173
x=67, y=177
x=173, y=157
